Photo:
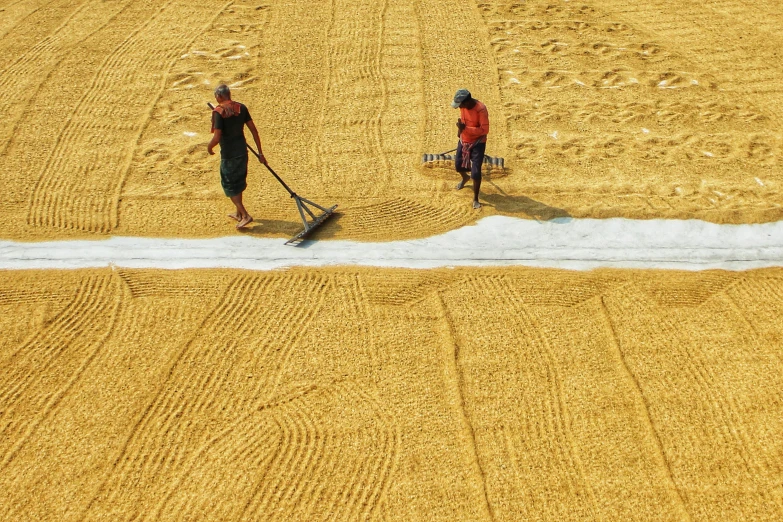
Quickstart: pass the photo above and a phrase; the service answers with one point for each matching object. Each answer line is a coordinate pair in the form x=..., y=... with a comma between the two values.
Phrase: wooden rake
x=303, y=205
x=446, y=156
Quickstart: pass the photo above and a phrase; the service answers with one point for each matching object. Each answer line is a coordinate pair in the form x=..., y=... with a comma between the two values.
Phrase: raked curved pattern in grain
x=22, y=79
x=400, y=217
x=43, y=369
x=295, y=485
x=716, y=380
x=80, y=184
x=211, y=361
x=354, y=394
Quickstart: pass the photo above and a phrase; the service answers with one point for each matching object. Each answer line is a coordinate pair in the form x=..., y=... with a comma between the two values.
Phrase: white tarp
x=578, y=244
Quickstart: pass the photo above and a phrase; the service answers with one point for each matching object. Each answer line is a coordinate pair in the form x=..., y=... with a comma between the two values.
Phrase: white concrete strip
x=578, y=244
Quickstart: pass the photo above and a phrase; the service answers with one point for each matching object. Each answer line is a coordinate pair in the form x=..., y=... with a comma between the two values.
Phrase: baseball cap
x=459, y=97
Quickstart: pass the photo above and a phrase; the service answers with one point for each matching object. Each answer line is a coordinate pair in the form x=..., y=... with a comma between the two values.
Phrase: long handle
x=257, y=155
x=293, y=194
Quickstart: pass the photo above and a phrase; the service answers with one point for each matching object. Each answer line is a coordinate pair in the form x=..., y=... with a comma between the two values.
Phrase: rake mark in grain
x=718, y=405
x=241, y=437
x=355, y=298
x=218, y=315
x=43, y=370
x=198, y=388
x=513, y=445
x=615, y=340
x=146, y=284
x=767, y=291
x=406, y=288
x=455, y=384
x=350, y=122
x=24, y=26
x=235, y=319
x=377, y=472
x=25, y=77
x=313, y=290
x=727, y=293
x=82, y=193
x=14, y=14
x=409, y=217
x=558, y=418
x=402, y=117
x=306, y=455
x=295, y=485
x=758, y=464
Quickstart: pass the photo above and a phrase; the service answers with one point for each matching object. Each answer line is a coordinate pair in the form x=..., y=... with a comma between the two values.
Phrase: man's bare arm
x=214, y=141
x=254, y=131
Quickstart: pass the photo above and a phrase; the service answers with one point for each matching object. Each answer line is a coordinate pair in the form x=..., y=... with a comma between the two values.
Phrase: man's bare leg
x=465, y=179
x=244, y=218
x=476, y=189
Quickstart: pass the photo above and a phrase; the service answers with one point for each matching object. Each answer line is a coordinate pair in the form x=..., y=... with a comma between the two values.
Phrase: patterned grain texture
x=601, y=109
x=361, y=394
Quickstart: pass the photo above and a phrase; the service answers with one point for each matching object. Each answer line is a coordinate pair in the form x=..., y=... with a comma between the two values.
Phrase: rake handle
x=278, y=178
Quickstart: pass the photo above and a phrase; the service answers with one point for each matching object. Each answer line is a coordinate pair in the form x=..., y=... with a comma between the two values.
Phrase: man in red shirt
x=472, y=130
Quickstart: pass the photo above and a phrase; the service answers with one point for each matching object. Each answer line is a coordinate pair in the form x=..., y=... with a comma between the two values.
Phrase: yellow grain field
x=364, y=394
x=358, y=394
x=601, y=108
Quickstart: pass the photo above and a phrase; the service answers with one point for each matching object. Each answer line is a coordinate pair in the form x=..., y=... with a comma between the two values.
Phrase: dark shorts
x=233, y=175
x=476, y=159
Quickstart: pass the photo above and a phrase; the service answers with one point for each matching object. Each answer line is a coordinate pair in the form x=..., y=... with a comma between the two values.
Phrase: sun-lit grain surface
x=354, y=394
x=360, y=394
x=601, y=108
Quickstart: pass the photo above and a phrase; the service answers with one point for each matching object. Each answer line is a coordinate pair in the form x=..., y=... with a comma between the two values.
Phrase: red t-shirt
x=476, y=122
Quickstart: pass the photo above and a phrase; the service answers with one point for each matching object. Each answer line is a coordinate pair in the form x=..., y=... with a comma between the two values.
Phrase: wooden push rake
x=446, y=156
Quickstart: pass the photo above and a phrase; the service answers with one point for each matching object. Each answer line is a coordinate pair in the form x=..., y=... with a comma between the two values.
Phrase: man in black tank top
x=228, y=127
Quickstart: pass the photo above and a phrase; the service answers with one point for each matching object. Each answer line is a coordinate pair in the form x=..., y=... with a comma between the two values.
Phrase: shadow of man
x=535, y=209
x=272, y=227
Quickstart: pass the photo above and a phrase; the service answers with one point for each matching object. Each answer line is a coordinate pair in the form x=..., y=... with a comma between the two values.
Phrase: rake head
x=304, y=207
x=447, y=160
